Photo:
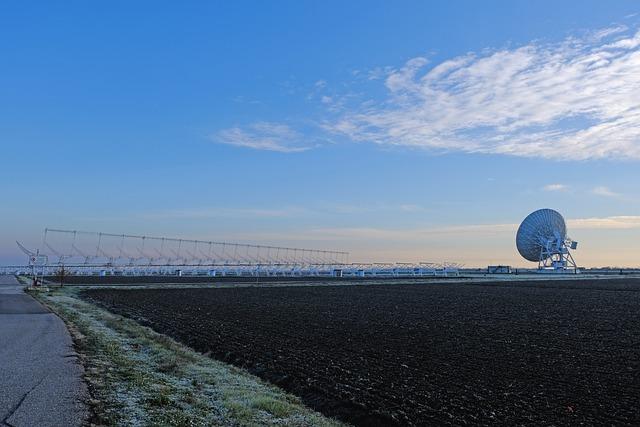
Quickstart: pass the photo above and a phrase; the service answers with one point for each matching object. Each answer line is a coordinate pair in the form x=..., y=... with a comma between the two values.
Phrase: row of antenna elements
x=183, y=252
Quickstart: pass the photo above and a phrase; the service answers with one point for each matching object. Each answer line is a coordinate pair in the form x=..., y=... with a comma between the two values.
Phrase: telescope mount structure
x=542, y=238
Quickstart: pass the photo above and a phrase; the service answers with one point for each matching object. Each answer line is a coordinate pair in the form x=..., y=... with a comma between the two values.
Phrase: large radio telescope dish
x=538, y=228
x=542, y=237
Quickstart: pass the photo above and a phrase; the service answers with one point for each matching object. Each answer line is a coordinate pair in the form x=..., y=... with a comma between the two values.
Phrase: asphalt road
x=40, y=376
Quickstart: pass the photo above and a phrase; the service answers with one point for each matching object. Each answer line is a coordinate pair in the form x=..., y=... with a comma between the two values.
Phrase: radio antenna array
x=106, y=254
x=73, y=246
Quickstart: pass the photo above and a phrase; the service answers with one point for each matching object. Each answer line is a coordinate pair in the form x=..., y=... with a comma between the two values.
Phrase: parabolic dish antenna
x=542, y=238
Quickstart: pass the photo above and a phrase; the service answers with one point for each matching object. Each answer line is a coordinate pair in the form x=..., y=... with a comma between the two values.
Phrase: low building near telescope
x=499, y=269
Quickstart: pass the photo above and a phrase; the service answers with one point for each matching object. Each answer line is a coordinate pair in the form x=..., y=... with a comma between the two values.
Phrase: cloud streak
x=607, y=223
x=351, y=234
x=555, y=187
x=571, y=100
x=263, y=136
x=603, y=191
x=207, y=213
x=279, y=212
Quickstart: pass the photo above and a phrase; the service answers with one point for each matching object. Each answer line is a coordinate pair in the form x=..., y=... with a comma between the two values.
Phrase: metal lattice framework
x=91, y=253
x=65, y=247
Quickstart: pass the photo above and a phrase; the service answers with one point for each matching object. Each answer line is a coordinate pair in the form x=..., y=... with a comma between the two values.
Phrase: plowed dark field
x=508, y=353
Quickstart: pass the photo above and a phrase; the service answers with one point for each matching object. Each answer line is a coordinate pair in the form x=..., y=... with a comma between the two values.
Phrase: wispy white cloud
x=378, y=73
x=417, y=234
x=625, y=43
x=205, y=213
x=555, y=187
x=607, y=32
x=575, y=99
x=603, y=191
x=412, y=208
x=264, y=136
x=408, y=234
x=609, y=223
x=279, y=212
x=464, y=231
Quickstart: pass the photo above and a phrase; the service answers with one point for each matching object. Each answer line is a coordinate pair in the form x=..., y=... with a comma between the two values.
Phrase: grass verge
x=138, y=377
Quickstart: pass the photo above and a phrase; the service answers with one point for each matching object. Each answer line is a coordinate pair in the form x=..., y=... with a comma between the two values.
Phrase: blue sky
x=398, y=131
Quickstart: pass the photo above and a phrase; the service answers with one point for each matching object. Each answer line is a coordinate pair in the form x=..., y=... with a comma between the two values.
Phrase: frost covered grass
x=138, y=377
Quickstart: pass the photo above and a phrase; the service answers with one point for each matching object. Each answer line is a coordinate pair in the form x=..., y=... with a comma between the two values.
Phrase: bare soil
x=548, y=352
